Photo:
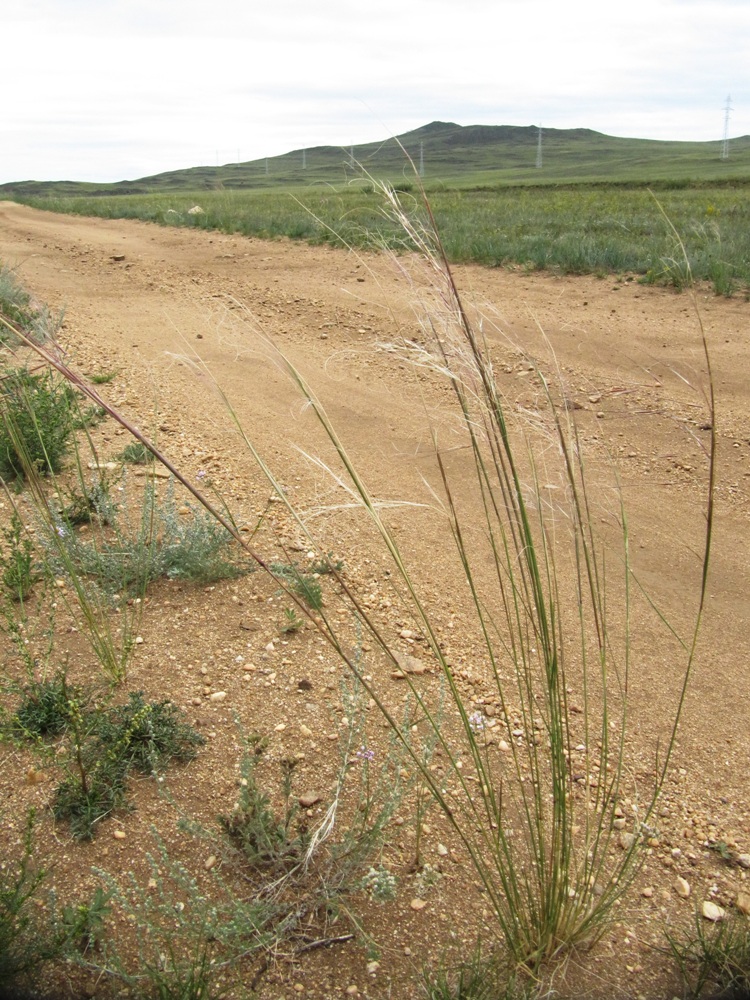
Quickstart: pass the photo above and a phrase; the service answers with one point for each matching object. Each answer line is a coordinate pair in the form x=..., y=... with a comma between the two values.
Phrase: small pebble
x=682, y=887
x=217, y=696
x=418, y=904
x=713, y=912
x=119, y=835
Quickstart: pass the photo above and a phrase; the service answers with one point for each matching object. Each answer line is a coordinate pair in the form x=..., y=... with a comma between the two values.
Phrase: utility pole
x=539, y=149
x=725, y=141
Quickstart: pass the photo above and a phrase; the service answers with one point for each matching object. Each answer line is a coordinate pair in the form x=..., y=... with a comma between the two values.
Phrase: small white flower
x=477, y=722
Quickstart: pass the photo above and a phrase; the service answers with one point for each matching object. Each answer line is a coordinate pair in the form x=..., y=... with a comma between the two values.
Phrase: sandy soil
x=142, y=300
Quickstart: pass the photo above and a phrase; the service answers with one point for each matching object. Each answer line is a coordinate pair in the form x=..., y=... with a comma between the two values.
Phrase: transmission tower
x=539, y=150
x=725, y=140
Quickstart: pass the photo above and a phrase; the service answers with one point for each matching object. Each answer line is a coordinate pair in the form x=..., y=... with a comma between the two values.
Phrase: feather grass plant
x=536, y=821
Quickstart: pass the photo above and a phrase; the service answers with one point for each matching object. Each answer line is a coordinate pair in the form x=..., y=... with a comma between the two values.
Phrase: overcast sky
x=105, y=90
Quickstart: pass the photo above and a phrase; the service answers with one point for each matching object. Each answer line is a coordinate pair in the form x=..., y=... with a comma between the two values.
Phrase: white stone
x=682, y=887
x=711, y=911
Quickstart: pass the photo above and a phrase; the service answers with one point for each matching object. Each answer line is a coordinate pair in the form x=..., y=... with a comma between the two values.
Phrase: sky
x=106, y=90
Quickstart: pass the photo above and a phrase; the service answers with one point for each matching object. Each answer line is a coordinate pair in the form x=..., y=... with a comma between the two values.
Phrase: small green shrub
x=148, y=735
x=36, y=422
x=82, y=925
x=136, y=453
x=106, y=744
x=90, y=502
x=19, y=573
x=304, y=585
x=185, y=938
x=103, y=378
x=263, y=837
x=292, y=621
x=24, y=942
x=164, y=543
x=91, y=792
x=45, y=709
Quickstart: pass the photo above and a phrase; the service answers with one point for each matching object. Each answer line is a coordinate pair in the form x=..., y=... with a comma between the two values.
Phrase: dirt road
x=171, y=310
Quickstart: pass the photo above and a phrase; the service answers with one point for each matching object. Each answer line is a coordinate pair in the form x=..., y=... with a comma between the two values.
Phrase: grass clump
x=17, y=306
x=479, y=977
x=541, y=842
x=714, y=959
x=36, y=422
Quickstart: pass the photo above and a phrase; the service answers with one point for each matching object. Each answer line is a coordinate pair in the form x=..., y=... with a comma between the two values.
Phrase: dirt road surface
x=170, y=311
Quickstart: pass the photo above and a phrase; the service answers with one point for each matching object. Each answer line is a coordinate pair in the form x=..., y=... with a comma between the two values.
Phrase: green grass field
x=578, y=230
x=587, y=210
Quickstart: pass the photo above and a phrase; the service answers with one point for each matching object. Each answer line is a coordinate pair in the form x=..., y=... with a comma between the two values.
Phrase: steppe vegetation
x=578, y=230
x=551, y=855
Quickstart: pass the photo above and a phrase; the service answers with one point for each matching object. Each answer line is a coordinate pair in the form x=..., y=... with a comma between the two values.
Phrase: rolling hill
x=451, y=155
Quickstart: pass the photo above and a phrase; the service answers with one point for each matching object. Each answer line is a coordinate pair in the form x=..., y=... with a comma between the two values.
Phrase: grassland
x=583, y=229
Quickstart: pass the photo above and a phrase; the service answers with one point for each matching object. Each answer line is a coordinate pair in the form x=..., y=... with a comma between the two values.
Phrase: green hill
x=455, y=156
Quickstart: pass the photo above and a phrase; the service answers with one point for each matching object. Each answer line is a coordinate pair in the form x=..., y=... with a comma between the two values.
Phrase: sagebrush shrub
x=36, y=422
